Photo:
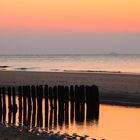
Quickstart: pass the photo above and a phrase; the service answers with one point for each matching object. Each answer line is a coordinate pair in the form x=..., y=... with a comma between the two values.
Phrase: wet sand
x=121, y=89
x=23, y=133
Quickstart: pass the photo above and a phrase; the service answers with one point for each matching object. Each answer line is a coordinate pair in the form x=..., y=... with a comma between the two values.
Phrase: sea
x=106, y=63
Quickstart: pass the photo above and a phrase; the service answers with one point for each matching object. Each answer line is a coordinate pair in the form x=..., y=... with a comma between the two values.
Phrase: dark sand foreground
x=121, y=89
x=22, y=133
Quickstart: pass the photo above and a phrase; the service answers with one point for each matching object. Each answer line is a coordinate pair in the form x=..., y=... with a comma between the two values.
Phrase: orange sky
x=70, y=15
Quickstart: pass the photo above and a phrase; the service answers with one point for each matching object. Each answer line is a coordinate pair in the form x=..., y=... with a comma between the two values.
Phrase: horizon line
x=39, y=54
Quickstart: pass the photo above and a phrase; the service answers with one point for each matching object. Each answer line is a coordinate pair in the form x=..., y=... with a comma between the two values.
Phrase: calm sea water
x=114, y=122
x=84, y=63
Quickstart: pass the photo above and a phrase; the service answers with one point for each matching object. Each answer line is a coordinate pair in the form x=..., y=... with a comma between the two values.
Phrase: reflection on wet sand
x=48, y=107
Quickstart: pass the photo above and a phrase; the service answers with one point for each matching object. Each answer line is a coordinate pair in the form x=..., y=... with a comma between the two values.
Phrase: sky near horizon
x=63, y=26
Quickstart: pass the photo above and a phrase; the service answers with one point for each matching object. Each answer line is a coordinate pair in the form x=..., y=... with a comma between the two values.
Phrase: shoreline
x=119, y=89
x=120, y=103
x=30, y=69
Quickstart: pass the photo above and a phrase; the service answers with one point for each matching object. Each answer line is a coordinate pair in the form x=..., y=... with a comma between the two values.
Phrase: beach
x=114, y=88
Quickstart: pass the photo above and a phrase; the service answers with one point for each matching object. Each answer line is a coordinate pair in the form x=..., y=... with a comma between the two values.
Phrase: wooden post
x=92, y=96
x=72, y=93
x=29, y=104
x=77, y=103
x=46, y=105
x=95, y=102
x=9, y=105
x=66, y=93
x=61, y=105
x=88, y=101
x=0, y=105
x=24, y=105
x=20, y=104
x=92, y=102
x=51, y=97
x=34, y=104
x=82, y=93
x=39, y=102
x=9, y=97
x=38, y=108
x=66, y=105
x=72, y=98
x=14, y=105
x=55, y=96
x=4, y=104
x=55, y=105
x=51, y=119
x=82, y=103
x=14, y=96
x=41, y=97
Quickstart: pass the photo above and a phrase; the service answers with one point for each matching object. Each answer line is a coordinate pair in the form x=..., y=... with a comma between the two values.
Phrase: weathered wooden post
x=89, y=104
x=24, y=105
x=95, y=102
x=66, y=93
x=66, y=105
x=41, y=97
x=9, y=105
x=92, y=98
x=82, y=102
x=0, y=105
x=72, y=98
x=33, y=91
x=72, y=93
x=14, y=105
x=51, y=119
x=51, y=106
x=46, y=105
x=55, y=105
x=39, y=102
x=29, y=104
x=9, y=97
x=14, y=96
x=61, y=105
x=51, y=97
x=4, y=104
x=77, y=102
x=20, y=104
x=55, y=96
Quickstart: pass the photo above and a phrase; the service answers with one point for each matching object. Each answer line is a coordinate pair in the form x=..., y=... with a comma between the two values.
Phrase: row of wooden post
x=31, y=97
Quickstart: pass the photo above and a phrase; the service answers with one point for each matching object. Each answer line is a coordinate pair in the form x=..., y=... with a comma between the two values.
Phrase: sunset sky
x=67, y=17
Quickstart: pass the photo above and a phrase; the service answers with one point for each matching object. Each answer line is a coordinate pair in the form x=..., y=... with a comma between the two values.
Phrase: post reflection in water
x=47, y=107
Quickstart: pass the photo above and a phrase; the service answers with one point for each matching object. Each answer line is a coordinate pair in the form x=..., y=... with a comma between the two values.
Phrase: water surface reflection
x=54, y=115
x=114, y=123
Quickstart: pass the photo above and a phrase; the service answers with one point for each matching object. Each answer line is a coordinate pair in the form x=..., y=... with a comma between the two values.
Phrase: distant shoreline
x=25, y=69
x=119, y=89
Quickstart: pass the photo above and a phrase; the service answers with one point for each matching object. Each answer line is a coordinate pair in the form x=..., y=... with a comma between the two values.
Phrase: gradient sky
x=63, y=26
